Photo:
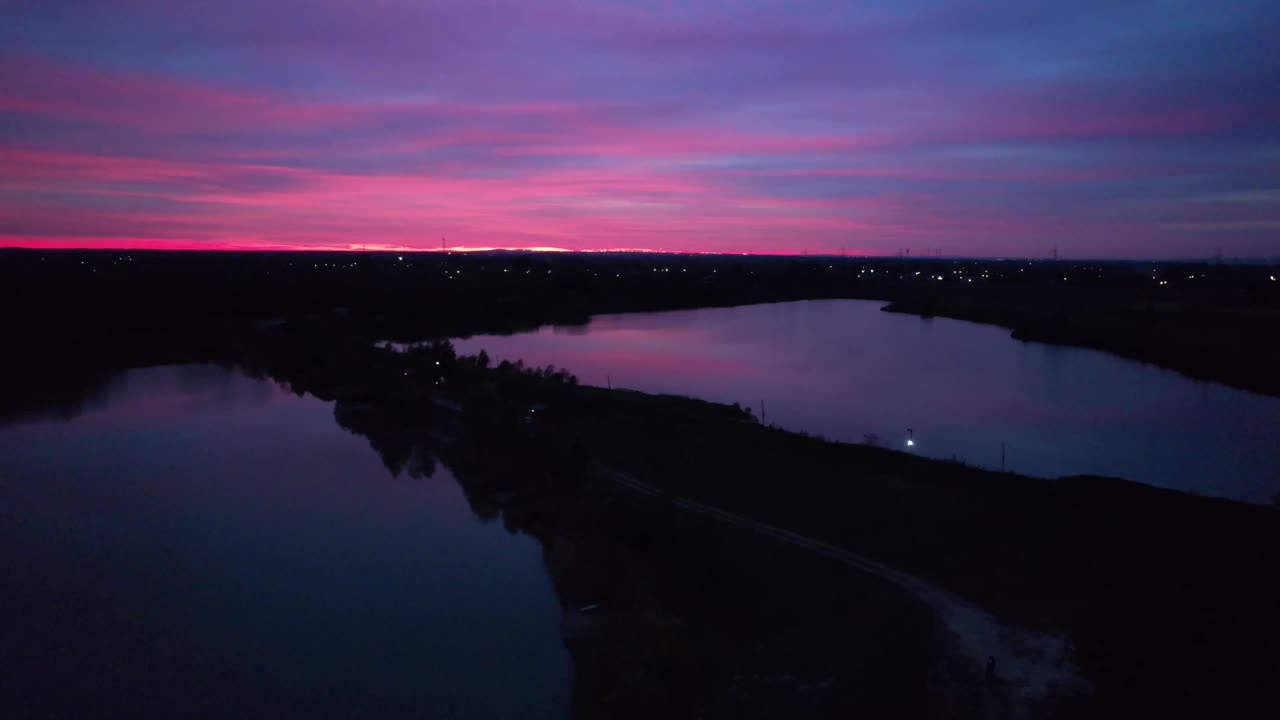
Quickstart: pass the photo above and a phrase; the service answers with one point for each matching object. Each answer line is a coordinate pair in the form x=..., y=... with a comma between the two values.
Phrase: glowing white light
x=911, y=443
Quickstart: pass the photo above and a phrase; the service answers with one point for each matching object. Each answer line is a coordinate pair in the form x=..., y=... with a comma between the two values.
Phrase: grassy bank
x=1171, y=598
x=687, y=618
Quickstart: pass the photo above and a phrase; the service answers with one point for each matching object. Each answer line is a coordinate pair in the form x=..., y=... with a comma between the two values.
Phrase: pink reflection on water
x=669, y=359
x=843, y=369
x=157, y=393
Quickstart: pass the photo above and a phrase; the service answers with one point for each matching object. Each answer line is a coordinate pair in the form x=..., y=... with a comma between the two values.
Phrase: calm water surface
x=197, y=543
x=843, y=368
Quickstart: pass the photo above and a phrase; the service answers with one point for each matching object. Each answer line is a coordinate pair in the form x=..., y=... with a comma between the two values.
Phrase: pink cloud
x=179, y=161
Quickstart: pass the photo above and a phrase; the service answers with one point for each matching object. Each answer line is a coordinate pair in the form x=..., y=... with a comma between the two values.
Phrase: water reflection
x=50, y=396
x=196, y=543
x=844, y=369
x=401, y=449
x=69, y=394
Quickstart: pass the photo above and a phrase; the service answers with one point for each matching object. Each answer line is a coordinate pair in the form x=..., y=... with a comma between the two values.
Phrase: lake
x=193, y=542
x=844, y=369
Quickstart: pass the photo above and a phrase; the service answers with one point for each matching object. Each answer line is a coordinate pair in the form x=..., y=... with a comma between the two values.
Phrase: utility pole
x=608, y=381
x=762, y=411
x=1001, y=456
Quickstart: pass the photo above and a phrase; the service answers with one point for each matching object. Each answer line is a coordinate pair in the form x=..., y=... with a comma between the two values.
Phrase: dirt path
x=1030, y=665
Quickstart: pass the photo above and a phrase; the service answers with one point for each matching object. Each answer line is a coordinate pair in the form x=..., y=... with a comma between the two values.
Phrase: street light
x=910, y=438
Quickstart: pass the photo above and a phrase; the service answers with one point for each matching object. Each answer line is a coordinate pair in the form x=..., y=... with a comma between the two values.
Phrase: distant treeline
x=120, y=308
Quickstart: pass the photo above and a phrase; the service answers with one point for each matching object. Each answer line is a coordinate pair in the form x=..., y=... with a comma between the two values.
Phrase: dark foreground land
x=1211, y=321
x=1171, y=602
x=1169, y=599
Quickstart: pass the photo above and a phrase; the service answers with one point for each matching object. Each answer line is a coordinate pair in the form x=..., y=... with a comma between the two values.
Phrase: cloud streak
x=722, y=126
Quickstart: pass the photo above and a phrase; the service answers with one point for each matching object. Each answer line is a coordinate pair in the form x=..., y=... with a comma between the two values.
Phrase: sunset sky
x=1104, y=128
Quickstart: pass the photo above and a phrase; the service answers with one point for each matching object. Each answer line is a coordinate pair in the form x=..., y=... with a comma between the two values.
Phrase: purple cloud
x=1151, y=128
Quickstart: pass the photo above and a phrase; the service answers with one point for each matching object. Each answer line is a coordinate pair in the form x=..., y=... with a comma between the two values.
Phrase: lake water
x=843, y=369
x=197, y=543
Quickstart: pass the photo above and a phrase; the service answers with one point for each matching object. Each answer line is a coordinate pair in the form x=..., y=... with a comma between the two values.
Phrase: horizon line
x=552, y=250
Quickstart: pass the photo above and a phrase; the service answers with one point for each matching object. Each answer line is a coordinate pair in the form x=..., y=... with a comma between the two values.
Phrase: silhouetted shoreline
x=120, y=309
x=1144, y=581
